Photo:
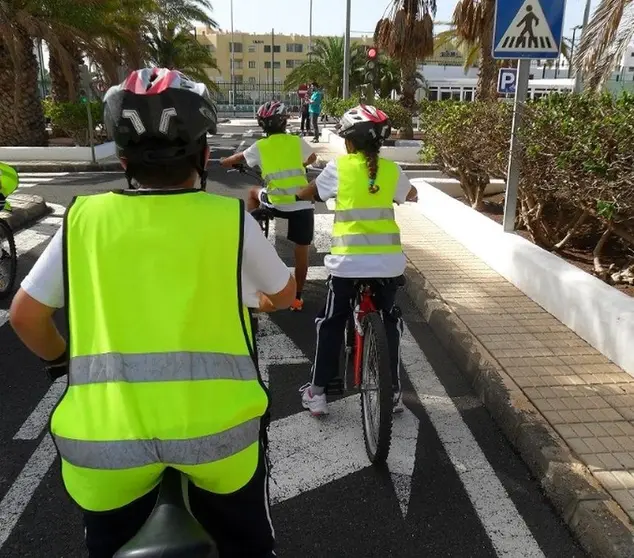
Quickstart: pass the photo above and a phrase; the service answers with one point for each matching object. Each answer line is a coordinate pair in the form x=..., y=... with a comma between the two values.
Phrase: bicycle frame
x=364, y=305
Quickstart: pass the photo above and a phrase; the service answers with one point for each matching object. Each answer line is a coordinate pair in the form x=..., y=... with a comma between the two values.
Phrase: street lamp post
x=346, y=53
x=572, y=48
x=233, y=63
x=310, y=31
x=586, y=18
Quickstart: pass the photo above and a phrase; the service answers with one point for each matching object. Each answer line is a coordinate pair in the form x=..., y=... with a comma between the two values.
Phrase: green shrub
x=398, y=115
x=72, y=118
x=467, y=140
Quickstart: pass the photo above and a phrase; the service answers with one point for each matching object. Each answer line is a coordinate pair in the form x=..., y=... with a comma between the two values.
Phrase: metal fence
x=247, y=97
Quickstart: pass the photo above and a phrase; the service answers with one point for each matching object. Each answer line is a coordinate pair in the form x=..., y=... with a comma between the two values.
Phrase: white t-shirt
x=253, y=158
x=262, y=269
x=361, y=265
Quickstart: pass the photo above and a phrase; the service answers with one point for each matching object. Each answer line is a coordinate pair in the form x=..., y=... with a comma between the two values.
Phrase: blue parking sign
x=507, y=79
x=528, y=29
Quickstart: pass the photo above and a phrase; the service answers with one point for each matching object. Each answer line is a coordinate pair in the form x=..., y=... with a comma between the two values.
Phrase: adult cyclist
x=161, y=357
x=9, y=181
x=283, y=159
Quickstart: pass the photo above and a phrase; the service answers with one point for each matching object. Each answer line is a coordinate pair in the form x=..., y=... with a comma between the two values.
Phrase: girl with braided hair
x=365, y=243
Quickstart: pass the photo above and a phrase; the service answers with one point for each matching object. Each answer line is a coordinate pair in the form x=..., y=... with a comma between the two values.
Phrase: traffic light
x=83, y=97
x=372, y=65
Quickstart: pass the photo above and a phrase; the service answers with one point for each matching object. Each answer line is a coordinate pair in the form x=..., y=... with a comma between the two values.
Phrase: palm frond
x=604, y=41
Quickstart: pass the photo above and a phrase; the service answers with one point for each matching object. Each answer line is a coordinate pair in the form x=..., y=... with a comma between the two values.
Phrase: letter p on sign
x=506, y=81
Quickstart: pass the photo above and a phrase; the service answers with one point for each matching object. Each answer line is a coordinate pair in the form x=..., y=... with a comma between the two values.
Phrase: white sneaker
x=316, y=404
x=397, y=402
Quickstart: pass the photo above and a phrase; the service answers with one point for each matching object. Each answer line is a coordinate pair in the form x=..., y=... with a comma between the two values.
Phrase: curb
x=419, y=166
x=30, y=210
x=50, y=166
x=600, y=525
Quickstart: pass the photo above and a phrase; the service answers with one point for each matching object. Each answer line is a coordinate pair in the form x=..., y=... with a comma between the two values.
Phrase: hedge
x=398, y=115
x=577, y=172
x=72, y=118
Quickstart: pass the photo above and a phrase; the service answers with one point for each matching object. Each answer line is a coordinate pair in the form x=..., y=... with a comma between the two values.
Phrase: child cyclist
x=365, y=244
x=283, y=159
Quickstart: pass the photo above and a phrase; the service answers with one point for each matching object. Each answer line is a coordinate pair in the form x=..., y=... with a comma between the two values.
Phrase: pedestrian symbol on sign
x=528, y=31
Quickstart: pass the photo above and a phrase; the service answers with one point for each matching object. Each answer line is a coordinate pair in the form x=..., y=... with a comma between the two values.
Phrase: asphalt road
x=453, y=487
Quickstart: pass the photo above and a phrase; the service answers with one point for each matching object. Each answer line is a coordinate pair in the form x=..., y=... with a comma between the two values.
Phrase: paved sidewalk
x=565, y=406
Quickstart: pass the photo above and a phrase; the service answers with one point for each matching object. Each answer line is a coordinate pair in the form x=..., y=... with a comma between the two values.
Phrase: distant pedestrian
x=305, y=103
x=315, y=109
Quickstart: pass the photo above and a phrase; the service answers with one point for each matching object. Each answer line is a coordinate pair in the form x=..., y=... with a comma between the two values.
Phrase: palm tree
x=171, y=47
x=604, y=42
x=326, y=67
x=473, y=23
x=407, y=34
x=390, y=77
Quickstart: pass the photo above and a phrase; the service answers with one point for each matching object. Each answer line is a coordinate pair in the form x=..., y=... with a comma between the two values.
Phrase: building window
x=267, y=65
x=294, y=47
x=290, y=64
x=252, y=48
x=276, y=65
x=251, y=64
x=276, y=48
x=630, y=69
x=251, y=79
x=235, y=47
x=238, y=64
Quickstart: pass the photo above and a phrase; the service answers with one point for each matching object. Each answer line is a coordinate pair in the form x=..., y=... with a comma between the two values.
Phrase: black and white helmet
x=365, y=124
x=158, y=114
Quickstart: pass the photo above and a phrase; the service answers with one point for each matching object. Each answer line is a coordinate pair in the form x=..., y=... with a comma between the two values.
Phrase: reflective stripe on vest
x=127, y=454
x=161, y=367
x=364, y=223
x=156, y=378
x=282, y=167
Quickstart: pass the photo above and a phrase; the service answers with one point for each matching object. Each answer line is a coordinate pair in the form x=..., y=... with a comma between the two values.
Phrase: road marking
x=38, y=420
x=240, y=146
x=275, y=347
x=28, y=239
x=504, y=525
x=19, y=495
x=227, y=136
x=323, y=232
x=248, y=134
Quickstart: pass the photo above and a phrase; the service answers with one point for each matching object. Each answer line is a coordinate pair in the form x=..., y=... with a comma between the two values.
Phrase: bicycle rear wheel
x=8, y=259
x=376, y=390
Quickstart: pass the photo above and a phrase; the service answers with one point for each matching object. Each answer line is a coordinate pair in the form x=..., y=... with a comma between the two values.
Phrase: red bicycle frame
x=365, y=306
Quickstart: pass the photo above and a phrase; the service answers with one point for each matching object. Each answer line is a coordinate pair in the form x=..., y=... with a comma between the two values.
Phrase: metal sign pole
x=91, y=129
x=513, y=177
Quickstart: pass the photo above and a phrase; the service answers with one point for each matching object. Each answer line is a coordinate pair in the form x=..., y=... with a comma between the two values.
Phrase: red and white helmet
x=365, y=123
x=272, y=109
x=158, y=113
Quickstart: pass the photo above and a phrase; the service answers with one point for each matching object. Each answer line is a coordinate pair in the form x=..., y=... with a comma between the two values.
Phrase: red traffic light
x=372, y=53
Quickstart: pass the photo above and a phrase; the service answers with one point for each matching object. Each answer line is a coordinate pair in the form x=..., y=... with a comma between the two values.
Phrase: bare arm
x=280, y=300
x=309, y=193
x=33, y=323
x=232, y=160
x=311, y=159
x=412, y=195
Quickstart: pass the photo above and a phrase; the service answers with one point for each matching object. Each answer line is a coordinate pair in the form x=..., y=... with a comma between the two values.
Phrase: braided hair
x=370, y=148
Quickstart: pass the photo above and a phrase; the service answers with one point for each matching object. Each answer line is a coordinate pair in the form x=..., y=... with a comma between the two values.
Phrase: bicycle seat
x=262, y=212
x=170, y=531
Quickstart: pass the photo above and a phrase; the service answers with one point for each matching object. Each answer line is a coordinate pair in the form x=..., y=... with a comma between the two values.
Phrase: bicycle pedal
x=336, y=386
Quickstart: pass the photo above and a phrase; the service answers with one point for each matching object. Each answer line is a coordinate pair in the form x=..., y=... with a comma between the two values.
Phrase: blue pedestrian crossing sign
x=528, y=29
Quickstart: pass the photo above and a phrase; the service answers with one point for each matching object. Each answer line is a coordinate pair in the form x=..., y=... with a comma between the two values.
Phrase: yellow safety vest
x=162, y=362
x=9, y=182
x=282, y=167
x=364, y=223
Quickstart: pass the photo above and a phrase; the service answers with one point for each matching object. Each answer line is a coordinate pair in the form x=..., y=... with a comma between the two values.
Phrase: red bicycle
x=365, y=354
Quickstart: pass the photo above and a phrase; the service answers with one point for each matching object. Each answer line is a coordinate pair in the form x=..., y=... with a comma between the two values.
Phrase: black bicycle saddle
x=170, y=531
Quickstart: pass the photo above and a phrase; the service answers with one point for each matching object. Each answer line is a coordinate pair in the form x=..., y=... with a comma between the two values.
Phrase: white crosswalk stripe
x=31, y=179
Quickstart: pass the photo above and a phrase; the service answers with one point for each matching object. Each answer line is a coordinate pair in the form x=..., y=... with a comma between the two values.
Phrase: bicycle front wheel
x=8, y=259
x=376, y=389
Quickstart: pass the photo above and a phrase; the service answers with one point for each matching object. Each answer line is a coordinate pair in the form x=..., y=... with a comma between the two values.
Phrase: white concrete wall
x=58, y=153
x=598, y=313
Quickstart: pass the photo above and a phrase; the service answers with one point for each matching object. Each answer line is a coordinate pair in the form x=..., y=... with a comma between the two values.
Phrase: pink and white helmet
x=365, y=123
x=272, y=109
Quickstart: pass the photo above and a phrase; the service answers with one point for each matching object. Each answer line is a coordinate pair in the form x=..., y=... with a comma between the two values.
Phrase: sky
x=293, y=16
